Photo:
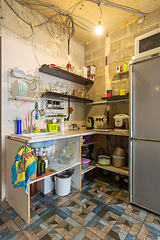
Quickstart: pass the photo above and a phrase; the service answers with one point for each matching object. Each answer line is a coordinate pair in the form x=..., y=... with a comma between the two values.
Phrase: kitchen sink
x=38, y=135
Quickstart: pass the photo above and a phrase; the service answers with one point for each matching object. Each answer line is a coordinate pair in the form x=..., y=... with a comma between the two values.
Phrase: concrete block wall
x=120, y=50
x=95, y=55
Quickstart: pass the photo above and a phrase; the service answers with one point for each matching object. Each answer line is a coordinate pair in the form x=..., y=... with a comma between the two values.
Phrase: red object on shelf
x=109, y=93
x=121, y=70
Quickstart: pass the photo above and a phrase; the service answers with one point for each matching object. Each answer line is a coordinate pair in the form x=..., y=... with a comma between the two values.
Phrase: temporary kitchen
x=80, y=136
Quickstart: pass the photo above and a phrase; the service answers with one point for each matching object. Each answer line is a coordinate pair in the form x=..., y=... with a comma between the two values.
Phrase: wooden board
x=114, y=169
x=16, y=197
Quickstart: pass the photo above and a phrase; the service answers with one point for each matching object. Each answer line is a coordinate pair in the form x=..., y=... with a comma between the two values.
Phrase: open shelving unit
x=60, y=96
x=58, y=72
x=116, y=98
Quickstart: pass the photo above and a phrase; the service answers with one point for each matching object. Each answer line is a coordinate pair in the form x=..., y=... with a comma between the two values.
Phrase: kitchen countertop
x=61, y=135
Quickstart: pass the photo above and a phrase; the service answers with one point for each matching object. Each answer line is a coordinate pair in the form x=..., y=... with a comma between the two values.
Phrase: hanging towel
x=23, y=167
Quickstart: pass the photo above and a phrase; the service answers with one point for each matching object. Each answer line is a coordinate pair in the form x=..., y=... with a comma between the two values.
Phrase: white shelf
x=87, y=169
x=57, y=168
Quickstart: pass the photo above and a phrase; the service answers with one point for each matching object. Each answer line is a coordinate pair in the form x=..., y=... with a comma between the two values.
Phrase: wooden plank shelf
x=57, y=72
x=114, y=169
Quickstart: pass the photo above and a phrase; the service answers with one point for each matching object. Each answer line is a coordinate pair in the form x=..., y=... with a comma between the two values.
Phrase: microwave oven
x=148, y=43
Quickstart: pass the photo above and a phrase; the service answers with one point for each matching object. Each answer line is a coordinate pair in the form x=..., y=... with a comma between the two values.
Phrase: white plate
x=19, y=72
x=15, y=88
x=29, y=76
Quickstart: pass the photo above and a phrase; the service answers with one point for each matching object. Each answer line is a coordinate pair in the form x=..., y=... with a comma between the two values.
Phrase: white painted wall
x=17, y=53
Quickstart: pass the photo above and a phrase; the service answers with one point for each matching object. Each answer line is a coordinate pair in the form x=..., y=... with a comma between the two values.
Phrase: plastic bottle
x=45, y=158
x=18, y=126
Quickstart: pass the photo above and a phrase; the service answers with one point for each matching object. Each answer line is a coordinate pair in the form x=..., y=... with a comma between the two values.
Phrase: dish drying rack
x=23, y=87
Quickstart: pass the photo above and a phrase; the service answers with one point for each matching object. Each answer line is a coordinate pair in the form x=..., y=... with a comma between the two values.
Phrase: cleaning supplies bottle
x=18, y=126
x=45, y=158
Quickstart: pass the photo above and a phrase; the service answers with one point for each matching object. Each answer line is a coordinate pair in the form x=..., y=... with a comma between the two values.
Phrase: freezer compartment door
x=145, y=172
x=145, y=99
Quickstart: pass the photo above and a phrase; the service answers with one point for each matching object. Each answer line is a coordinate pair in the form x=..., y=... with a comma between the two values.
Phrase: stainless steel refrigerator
x=144, y=135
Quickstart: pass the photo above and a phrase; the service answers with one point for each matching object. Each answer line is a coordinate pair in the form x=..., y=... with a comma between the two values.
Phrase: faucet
x=41, y=112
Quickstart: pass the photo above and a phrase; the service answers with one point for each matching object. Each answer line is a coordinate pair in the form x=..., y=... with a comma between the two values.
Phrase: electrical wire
x=16, y=13
x=33, y=49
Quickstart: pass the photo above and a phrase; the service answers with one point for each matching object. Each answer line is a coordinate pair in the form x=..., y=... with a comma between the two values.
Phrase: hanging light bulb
x=99, y=29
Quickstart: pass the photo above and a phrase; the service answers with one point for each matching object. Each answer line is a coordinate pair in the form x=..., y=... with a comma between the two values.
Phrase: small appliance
x=121, y=122
x=90, y=123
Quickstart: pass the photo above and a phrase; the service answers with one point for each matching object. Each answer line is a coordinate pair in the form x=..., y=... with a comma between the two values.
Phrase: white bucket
x=63, y=186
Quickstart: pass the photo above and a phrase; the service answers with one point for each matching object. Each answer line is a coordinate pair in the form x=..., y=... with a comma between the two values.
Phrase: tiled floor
x=99, y=211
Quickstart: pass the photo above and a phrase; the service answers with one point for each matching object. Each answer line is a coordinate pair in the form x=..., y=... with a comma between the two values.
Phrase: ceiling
x=85, y=11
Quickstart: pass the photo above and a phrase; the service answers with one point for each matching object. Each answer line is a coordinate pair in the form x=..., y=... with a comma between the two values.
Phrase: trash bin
x=63, y=183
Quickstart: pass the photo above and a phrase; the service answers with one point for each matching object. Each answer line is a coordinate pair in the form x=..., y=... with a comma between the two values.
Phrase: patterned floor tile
x=99, y=211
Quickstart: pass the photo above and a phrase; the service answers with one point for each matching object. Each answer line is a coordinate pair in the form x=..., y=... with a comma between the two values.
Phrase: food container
x=119, y=152
x=79, y=93
x=122, y=92
x=118, y=161
x=85, y=162
x=52, y=127
x=75, y=92
x=109, y=93
x=104, y=160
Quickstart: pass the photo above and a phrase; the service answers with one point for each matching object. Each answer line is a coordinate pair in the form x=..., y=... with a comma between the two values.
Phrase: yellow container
x=52, y=127
x=122, y=92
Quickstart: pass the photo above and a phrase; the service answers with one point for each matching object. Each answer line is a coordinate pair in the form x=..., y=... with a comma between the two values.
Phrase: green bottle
x=39, y=166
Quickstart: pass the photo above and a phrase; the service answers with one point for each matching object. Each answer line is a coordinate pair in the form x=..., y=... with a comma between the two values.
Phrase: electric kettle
x=90, y=123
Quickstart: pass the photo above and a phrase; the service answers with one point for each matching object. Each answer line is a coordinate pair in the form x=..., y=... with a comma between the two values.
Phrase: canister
x=75, y=92
x=122, y=92
x=109, y=93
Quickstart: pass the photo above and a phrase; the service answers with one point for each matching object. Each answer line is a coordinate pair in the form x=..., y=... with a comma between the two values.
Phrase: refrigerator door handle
x=131, y=102
x=131, y=171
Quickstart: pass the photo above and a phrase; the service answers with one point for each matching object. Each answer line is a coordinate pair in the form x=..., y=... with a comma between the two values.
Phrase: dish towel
x=23, y=167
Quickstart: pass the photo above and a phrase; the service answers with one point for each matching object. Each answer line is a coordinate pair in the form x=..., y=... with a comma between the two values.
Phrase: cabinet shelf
x=116, y=98
x=57, y=72
x=87, y=169
x=114, y=169
x=54, y=95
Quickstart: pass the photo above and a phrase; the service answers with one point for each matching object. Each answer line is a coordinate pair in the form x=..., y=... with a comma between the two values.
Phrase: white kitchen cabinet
x=17, y=197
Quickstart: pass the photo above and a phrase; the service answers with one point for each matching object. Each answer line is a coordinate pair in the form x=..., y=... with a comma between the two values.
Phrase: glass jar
x=58, y=87
x=87, y=96
x=49, y=103
x=83, y=92
x=69, y=92
x=63, y=88
x=75, y=92
x=51, y=87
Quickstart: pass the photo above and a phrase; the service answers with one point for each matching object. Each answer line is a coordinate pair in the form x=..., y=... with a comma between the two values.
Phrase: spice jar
x=49, y=103
x=79, y=93
x=68, y=67
x=87, y=96
x=75, y=92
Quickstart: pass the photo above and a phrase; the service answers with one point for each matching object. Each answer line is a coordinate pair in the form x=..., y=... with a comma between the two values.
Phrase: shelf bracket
x=68, y=108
